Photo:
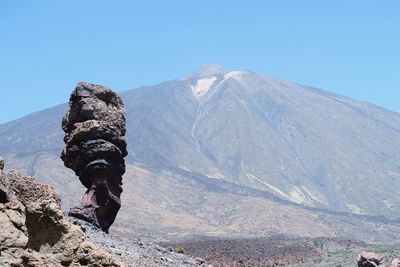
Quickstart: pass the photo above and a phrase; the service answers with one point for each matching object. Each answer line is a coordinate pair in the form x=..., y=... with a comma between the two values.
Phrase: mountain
x=235, y=153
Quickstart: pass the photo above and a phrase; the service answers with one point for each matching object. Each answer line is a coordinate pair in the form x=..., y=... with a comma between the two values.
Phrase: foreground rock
x=94, y=127
x=370, y=259
x=34, y=232
x=395, y=263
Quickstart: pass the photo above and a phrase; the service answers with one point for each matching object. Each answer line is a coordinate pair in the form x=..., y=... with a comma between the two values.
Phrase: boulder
x=94, y=127
x=34, y=232
x=370, y=259
x=199, y=260
x=395, y=263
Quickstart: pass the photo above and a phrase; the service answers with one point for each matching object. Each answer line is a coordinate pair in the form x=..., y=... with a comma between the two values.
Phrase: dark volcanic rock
x=1, y=163
x=370, y=259
x=94, y=127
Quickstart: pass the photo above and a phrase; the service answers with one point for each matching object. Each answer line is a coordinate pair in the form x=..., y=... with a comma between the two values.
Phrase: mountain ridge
x=303, y=145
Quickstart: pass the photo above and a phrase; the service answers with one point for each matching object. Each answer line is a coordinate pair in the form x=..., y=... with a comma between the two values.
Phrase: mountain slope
x=276, y=145
x=302, y=144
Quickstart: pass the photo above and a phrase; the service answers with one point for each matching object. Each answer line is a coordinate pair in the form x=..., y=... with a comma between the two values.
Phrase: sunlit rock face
x=34, y=231
x=94, y=127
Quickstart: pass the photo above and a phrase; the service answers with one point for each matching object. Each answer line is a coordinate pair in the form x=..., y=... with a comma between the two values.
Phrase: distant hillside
x=236, y=153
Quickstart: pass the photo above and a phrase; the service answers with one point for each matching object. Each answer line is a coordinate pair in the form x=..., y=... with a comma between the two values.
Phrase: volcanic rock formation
x=231, y=155
x=94, y=127
x=34, y=232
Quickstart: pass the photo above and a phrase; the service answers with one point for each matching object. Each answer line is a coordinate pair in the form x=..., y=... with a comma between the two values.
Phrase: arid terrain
x=35, y=233
x=271, y=251
x=236, y=154
x=200, y=133
x=29, y=210
x=283, y=251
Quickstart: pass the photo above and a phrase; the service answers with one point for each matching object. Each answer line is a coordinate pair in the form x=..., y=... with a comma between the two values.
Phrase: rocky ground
x=290, y=252
x=271, y=251
x=348, y=256
x=34, y=232
x=135, y=252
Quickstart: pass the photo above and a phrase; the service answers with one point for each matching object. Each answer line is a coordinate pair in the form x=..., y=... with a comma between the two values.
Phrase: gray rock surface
x=134, y=251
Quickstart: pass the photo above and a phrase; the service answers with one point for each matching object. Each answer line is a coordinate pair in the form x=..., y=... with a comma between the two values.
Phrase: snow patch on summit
x=202, y=86
x=234, y=74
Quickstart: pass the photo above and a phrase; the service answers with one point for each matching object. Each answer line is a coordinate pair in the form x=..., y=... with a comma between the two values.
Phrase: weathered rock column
x=94, y=127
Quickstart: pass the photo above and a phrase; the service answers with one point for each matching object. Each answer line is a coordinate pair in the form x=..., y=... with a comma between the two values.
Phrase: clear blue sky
x=348, y=47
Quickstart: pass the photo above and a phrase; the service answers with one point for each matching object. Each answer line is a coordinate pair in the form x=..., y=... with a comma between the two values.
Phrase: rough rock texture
x=266, y=252
x=395, y=263
x=94, y=127
x=34, y=232
x=136, y=252
x=370, y=259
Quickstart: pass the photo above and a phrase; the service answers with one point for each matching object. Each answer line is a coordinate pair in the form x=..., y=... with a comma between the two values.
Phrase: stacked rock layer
x=94, y=127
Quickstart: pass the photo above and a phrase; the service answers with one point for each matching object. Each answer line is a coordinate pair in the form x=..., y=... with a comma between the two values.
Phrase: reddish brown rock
x=94, y=127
